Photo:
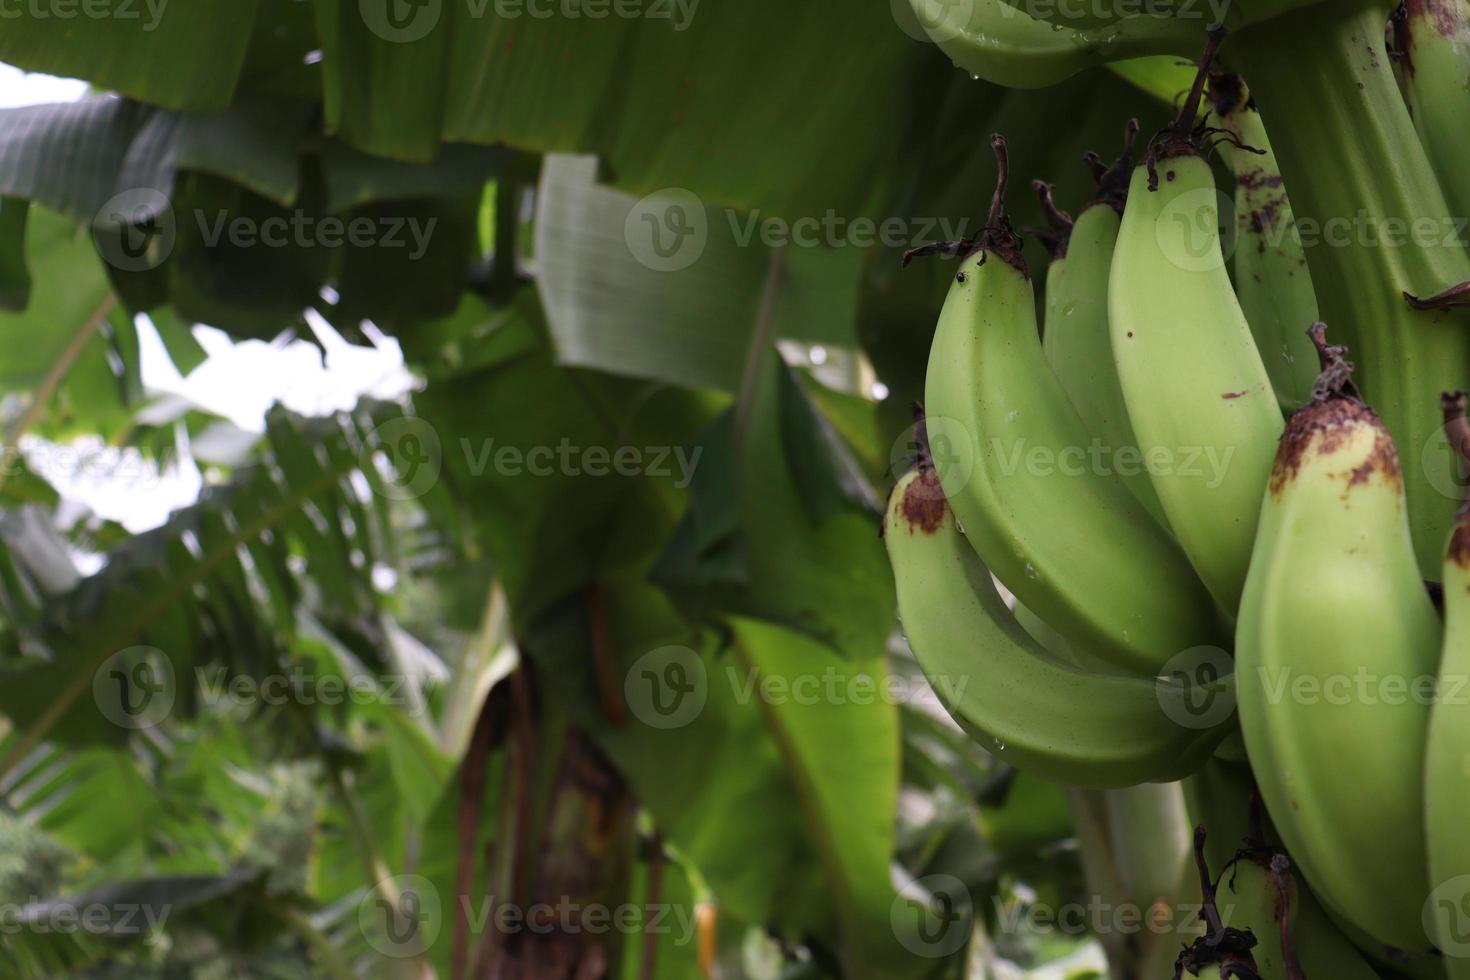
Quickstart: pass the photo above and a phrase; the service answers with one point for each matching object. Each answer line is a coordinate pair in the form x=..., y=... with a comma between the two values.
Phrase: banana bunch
x=1012, y=455
x=1285, y=540
x=1275, y=518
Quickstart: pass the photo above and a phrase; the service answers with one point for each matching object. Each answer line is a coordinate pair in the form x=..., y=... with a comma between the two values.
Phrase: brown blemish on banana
x=1444, y=16
x=923, y=505
x=1459, y=551
x=1329, y=422
x=1324, y=428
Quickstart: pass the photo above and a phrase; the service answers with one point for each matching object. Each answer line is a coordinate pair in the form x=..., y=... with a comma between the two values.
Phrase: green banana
x=1014, y=462
x=1075, y=335
x=1258, y=890
x=1357, y=173
x=1272, y=281
x=997, y=42
x=1017, y=700
x=1447, y=759
x=1335, y=641
x=1198, y=395
x=1434, y=38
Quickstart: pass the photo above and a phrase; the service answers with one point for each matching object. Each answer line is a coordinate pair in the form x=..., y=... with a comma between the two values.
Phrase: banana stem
x=1189, y=110
x=1374, y=224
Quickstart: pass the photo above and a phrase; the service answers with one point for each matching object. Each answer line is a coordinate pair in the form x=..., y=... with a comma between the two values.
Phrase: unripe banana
x=1447, y=759
x=1075, y=336
x=1059, y=530
x=1335, y=647
x=1017, y=700
x=1198, y=395
x=1257, y=884
x=1001, y=44
x=1434, y=38
x=1272, y=281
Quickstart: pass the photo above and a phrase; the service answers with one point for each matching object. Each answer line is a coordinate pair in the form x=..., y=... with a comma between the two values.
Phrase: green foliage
x=739, y=528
